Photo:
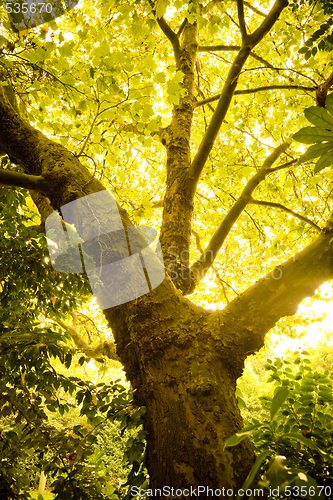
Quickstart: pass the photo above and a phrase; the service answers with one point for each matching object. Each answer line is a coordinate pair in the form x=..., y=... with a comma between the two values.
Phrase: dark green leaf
x=324, y=161
x=319, y=117
x=315, y=151
x=311, y=135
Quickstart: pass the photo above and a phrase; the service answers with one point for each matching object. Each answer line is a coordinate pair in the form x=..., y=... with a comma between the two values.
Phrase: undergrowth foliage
x=32, y=391
x=293, y=438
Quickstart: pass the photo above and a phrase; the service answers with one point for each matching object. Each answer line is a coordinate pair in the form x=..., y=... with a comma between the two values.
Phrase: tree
x=148, y=100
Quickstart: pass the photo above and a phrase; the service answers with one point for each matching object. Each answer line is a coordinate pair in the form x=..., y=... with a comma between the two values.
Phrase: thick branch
x=52, y=169
x=241, y=19
x=171, y=35
x=288, y=210
x=103, y=349
x=228, y=91
x=268, y=22
x=253, y=91
x=181, y=27
x=323, y=89
x=201, y=266
x=251, y=315
x=18, y=179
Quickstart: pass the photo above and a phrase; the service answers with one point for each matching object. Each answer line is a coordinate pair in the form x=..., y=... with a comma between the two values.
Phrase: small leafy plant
x=293, y=441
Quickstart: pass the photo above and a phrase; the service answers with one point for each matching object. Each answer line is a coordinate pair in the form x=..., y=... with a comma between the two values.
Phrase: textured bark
x=178, y=206
x=174, y=355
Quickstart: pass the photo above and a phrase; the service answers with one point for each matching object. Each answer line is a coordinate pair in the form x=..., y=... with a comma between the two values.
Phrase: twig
x=253, y=91
x=285, y=209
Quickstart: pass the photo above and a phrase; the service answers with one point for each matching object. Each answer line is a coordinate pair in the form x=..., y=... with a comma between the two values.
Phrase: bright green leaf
x=278, y=400
x=250, y=478
x=239, y=436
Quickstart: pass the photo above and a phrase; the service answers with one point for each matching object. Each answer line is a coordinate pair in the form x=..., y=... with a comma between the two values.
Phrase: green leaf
x=319, y=117
x=324, y=161
x=278, y=400
x=277, y=473
x=83, y=105
x=315, y=151
x=161, y=7
x=160, y=77
x=68, y=79
x=239, y=436
x=29, y=56
x=303, y=50
x=311, y=135
x=307, y=442
x=260, y=458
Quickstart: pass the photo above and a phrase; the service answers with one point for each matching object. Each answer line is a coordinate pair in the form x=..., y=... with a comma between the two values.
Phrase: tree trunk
x=182, y=377
x=184, y=361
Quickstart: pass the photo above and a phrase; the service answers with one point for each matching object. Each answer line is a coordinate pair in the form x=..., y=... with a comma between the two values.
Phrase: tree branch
x=268, y=22
x=232, y=48
x=323, y=89
x=158, y=204
x=218, y=48
x=227, y=93
x=201, y=266
x=210, y=5
x=181, y=27
x=253, y=91
x=251, y=315
x=217, y=274
x=102, y=350
x=169, y=33
x=284, y=165
x=18, y=179
x=241, y=19
x=53, y=168
x=254, y=9
x=285, y=209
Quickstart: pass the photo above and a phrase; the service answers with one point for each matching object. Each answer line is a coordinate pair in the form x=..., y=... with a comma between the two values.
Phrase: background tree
x=186, y=107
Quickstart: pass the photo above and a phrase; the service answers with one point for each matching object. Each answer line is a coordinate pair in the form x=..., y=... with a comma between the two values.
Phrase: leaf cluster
x=321, y=135
x=296, y=423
